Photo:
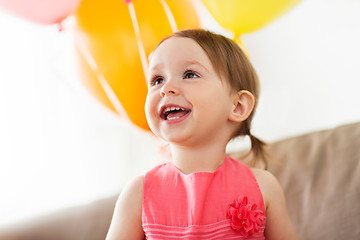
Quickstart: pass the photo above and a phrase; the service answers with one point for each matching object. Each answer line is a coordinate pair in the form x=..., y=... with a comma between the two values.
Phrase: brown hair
x=230, y=63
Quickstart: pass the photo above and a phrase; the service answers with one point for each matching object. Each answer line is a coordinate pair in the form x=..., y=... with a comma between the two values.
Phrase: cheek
x=208, y=97
x=151, y=113
x=147, y=107
x=215, y=103
x=150, y=107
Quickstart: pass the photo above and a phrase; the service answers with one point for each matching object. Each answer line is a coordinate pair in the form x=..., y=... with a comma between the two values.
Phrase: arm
x=126, y=222
x=278, y=224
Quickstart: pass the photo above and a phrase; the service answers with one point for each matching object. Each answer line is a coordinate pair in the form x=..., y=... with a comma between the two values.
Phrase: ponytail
x=258, y=150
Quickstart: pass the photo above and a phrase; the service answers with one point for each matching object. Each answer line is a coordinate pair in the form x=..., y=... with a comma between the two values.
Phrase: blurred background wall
x=59, y=147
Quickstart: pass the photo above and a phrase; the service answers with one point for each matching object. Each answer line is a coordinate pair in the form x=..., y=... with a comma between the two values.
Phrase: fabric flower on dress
x=245, y=217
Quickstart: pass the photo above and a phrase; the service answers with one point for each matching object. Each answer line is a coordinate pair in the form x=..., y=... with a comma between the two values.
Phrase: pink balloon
x=41, y=11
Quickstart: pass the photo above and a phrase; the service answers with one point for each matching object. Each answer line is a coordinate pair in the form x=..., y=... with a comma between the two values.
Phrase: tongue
x=176, y=114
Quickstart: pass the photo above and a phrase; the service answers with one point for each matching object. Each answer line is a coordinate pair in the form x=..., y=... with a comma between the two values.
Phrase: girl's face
x=187, y=103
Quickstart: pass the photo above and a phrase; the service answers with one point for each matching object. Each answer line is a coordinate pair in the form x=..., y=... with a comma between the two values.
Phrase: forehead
x=178, y=49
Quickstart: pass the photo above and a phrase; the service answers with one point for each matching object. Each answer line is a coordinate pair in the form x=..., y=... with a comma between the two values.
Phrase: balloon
x=41, y=11
x=244, y=16
x=114, y=39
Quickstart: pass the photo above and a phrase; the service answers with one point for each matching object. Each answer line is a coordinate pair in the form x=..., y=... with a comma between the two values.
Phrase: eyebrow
x=187, y=62
x=193, y=62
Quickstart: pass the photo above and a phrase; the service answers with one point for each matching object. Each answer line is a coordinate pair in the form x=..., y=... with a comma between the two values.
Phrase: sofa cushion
x=320, y=175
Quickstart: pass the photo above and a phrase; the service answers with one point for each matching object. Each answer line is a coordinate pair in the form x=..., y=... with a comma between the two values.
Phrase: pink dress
x=225, y=204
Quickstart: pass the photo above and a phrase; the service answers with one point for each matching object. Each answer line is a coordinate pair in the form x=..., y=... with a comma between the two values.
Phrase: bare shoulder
x=131, y=196
x=278, y=223
x=268, y=184
x=135, y=186
x=126, y=222
x=263, y=176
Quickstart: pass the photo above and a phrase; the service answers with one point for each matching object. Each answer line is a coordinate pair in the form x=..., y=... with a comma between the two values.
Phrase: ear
x=243, y=105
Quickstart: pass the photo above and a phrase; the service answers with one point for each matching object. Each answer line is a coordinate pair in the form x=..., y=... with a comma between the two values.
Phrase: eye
x=156, y=80
x=190, y=74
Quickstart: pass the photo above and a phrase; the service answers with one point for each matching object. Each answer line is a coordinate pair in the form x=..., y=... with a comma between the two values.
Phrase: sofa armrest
x=87, y=222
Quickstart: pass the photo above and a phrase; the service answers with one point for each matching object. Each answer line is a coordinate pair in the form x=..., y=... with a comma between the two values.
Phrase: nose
x=169, y=88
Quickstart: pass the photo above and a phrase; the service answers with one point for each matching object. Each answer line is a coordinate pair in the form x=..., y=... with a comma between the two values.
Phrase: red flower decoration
x=245, y=217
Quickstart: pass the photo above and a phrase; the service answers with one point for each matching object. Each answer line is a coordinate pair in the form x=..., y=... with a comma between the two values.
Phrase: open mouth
x=173, y=112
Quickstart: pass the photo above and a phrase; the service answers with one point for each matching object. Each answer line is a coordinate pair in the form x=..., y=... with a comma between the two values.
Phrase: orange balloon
x=114, y=40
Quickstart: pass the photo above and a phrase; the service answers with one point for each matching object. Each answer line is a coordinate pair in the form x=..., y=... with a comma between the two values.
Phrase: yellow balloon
x=244, y=16
x=114, y=40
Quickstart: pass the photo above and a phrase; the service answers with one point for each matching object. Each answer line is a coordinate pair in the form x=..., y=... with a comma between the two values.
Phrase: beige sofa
x=319, y=172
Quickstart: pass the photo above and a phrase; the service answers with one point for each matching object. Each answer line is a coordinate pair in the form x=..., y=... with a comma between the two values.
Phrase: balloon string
x=170, y=16
x=140, y=44
x=60, y=26
x=237, y=39
x=103, y=82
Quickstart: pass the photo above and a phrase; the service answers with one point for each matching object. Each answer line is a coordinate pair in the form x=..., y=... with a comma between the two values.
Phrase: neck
x=201, y=159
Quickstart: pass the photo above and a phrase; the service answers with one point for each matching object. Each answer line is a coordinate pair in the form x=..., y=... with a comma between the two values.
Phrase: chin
x=180, y=140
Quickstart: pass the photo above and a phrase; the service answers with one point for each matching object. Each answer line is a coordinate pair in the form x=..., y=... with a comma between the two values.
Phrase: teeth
x=172, y=118
x=172, y=108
